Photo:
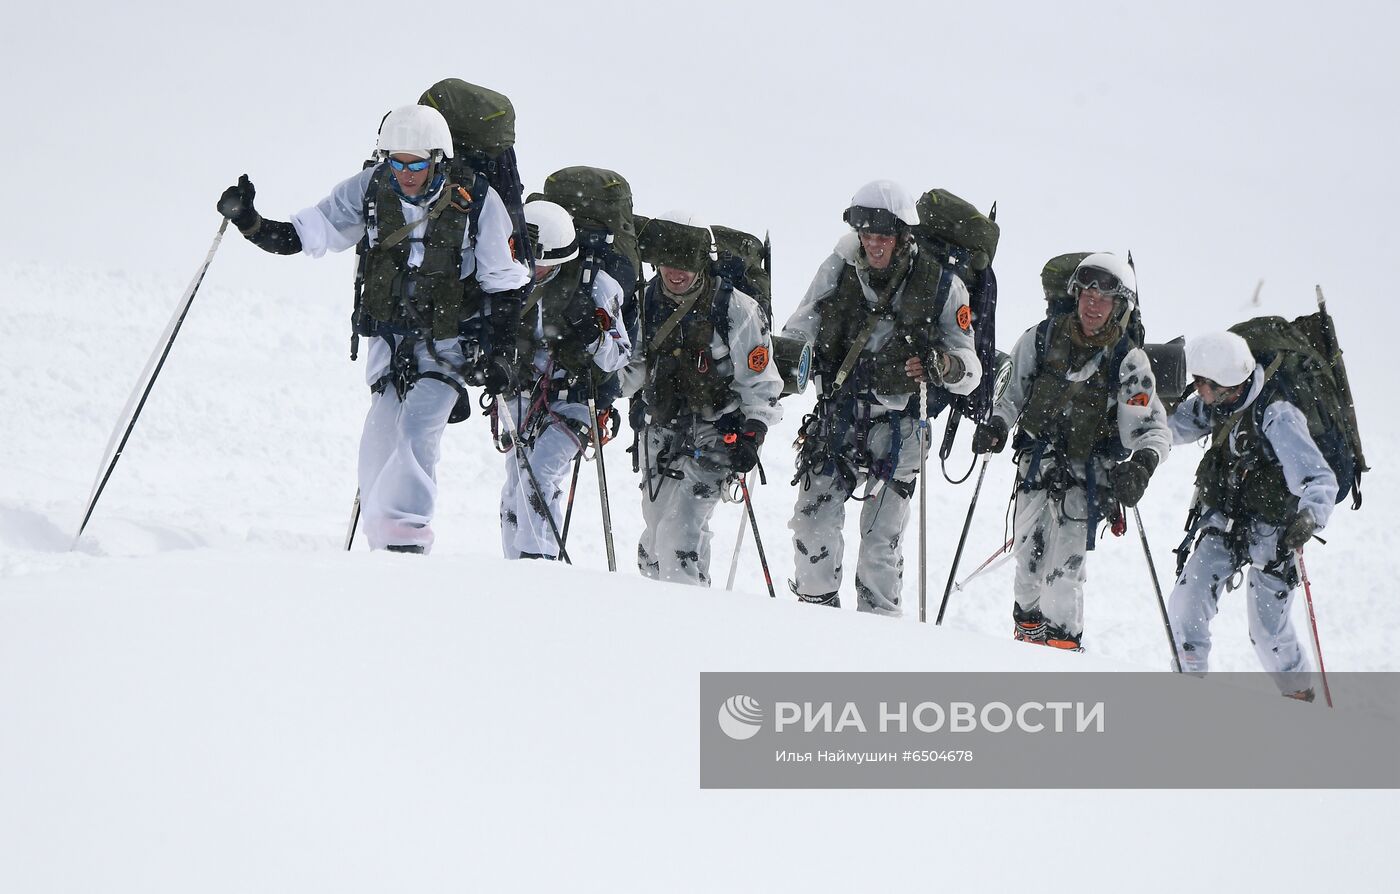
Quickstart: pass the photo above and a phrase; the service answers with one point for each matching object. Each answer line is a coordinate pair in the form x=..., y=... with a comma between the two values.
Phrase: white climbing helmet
x=1222, y=357
x=1106, y=272
x=552, y=229
x=415, y=130
x=878, y=204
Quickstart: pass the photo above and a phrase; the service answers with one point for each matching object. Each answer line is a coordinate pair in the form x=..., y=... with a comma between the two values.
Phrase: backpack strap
x=1223, y=435
x=674, y=320
x=719, y=308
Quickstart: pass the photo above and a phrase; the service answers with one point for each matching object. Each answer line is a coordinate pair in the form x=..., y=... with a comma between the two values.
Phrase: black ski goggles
x=1095, y=278
x=880, y=221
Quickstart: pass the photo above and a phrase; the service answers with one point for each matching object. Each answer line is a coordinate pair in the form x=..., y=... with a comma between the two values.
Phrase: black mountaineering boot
x=831, y=599
x=1030, y=625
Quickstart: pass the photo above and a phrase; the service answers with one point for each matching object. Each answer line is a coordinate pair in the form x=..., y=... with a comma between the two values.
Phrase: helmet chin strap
x=429, y=189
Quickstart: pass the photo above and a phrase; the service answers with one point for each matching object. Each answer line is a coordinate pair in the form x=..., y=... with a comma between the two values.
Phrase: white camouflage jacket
x=953, y=339
x=755, y=391
x=613, y=349
x=1142, y=420
x=1306, y=472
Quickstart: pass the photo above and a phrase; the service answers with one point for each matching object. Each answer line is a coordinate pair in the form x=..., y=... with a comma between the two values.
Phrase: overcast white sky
x=1221, y=142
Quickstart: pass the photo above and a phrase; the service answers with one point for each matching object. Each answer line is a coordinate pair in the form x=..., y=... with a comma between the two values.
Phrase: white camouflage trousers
x=524, y=526
x=399, y=450
x=1196, y=597
x=675, y=544
x=819, y=518
x=1049, y=542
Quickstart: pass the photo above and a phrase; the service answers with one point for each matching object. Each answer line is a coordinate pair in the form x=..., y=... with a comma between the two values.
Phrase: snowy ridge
x=210, y=695
x=249, y=439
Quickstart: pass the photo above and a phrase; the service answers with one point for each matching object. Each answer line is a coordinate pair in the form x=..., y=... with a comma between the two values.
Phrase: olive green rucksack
x=966, y=237
x=600, y=202
x=482, y=123
x=745, y=260
x=1304, y=363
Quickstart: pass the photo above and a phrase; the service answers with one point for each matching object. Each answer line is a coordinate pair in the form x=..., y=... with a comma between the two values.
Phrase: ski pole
x=1003, y=552
x=602, y=473
x=569, y=506
x=117, y=442
x=923, y=499
x=354, y=521
x=1157, y=587
x=502, y=412
x=738, y=545
x=962, y=541
x=757, y=541
x=1312, y=621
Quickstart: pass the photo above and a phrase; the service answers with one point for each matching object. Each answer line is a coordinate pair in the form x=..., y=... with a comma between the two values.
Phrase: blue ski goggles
x=414, y=166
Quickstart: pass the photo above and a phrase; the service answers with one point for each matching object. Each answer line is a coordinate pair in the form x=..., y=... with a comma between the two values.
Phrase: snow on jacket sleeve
x=1191, y=420
x=632, y=377
x=613, y=349
x=1142, y=420
x=337, y=222
x=491, y=258
x=750, y=346
x=959, y=342
x=1305, y=470
x=1018, y=387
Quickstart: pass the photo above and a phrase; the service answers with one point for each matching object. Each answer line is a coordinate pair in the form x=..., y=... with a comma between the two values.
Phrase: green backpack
x=756, y=258
x=1303, y=361
x=482, y=123
x=965, y=236
x=600, y=202
x=744, y=259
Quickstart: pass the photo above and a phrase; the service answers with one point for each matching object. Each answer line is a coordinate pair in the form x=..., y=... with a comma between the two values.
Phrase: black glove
x=1299, y=531
x=743, y=448
x=581, y=316
x=637, y=412
x=1130, y=476
x=990, y=436
x=237, y=204
x=499, y=376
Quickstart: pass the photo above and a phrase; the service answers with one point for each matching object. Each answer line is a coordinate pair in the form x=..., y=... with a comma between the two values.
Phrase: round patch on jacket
x=964, y=318
x=1139, y=400
x=758, y=359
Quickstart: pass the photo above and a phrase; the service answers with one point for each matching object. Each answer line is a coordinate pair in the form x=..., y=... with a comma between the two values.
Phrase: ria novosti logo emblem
x=741, y=717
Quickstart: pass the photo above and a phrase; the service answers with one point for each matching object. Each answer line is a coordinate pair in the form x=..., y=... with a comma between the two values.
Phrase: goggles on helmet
x=880, y=221
x=1095, y=278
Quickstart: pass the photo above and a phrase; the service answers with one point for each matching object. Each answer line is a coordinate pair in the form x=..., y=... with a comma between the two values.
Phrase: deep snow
x=209, y=695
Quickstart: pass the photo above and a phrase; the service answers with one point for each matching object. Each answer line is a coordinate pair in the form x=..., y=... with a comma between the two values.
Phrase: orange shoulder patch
x=964, y=318
x=1139, y=400
x=758, y=359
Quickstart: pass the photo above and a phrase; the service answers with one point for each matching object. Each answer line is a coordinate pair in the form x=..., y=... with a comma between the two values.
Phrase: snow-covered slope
x=248, y=441
x=260, y=719
x=208, y=694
